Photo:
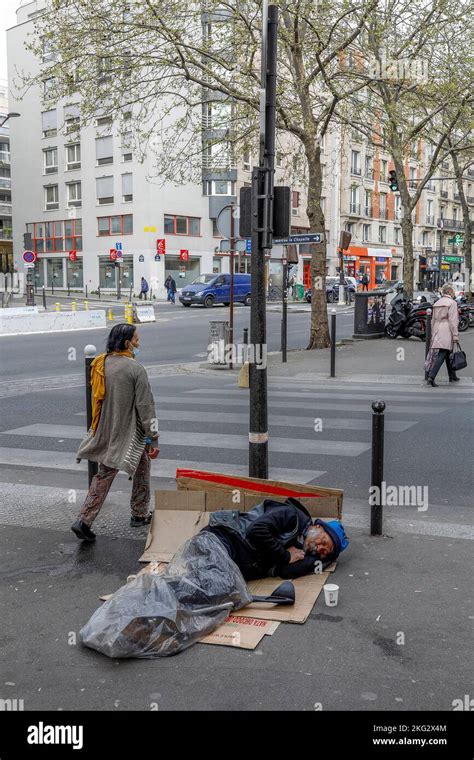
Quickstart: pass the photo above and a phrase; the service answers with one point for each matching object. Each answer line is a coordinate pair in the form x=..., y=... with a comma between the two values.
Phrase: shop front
x=183, y=272
x=59, y=272
x=108, y=273
x=374, y=262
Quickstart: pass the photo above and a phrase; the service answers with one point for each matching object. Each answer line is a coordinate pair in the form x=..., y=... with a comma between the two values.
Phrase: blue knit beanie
x=335, y=531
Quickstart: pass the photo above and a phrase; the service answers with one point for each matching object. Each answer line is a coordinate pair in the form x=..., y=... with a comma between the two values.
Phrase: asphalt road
x=178, y=335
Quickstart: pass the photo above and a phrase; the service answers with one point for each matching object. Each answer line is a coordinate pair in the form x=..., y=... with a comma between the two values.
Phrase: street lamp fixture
x=11, y=115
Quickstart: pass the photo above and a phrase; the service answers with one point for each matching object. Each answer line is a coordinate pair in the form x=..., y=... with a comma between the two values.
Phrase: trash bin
x=300, y=292
x=369, y=314
x=217, y=343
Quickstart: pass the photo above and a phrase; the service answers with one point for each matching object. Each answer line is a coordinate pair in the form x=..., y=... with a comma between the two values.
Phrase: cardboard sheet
x=241, y=632
x=169, y=529
x=307, y=590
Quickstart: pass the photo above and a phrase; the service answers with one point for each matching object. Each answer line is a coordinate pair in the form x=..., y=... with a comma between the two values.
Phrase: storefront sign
x=453, y=259
x=141, y=258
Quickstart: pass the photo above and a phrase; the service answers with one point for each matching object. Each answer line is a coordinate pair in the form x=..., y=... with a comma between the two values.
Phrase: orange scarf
x=98, y=384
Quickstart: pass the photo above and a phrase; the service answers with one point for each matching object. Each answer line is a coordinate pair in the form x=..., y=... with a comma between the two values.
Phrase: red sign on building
x=72, y=256
x=161, y=246
x=113, y=254
x=184, y=254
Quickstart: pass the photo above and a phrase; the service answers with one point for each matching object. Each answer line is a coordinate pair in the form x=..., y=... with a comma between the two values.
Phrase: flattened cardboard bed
x=181, y=514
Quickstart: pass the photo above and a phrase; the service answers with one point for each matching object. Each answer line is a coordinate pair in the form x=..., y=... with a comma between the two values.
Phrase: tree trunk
x=319, y=331
x=467, y=245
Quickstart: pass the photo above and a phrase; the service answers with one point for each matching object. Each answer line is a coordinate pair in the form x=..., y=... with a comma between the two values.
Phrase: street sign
x=458, y=239
x=184, y=254
x=29, y=266
x=161, y=246
x=157, y=257
x=141, y=258
x=447, y=259
x=29, y=257
x=248, y=246
x=118, y=246
x=312, y=237
x=113, y=254
x=72, y=255
x=223, y=221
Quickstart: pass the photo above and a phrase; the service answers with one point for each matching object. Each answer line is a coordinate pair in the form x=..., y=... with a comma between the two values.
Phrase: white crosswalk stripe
x=215, y=423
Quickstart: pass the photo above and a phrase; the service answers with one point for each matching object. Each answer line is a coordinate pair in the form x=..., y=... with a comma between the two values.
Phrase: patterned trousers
x=100, y=486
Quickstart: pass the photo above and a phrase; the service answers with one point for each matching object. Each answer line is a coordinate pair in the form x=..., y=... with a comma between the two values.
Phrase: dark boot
x=83, y=531
x=137, y=522
x=430, y=381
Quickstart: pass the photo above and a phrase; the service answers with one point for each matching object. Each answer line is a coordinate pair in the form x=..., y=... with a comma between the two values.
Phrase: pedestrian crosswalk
x=314, y=428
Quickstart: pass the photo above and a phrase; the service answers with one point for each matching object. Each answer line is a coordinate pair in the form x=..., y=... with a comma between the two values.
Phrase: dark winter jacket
x=258, y=540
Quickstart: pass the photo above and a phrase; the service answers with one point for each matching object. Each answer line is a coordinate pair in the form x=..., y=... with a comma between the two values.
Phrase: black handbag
x=457, y=358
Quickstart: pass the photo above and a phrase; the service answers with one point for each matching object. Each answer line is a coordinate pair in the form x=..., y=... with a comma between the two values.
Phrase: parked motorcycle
x=407, y=319
x=467, y=310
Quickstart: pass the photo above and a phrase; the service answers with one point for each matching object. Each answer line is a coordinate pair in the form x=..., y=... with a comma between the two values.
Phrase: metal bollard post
x=130, y=295
x=86, y=305
x=98, y=291
x=58, y=306
x=429, y=313
x=333, y=343
x=246, y=335
x=68, y=290
x=74, y=306
x=376, y=510
x=44, y=298
x=52, y=287
x=89, y=352
x=111, y=316
x=86, y=291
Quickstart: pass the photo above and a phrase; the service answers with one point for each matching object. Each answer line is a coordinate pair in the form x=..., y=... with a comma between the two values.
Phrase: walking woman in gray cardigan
x=124, y=425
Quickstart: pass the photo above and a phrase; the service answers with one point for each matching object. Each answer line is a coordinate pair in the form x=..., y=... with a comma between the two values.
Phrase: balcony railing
x=470, y=198
x=445, y=164
x=430, y=220
x=367, y=210
x=412, y=184
x=354, y=208
x=5, y=182
x=356, y=170
x=6, y=234
x=369, y=174
x=383, y=213
x=5, y=209
x=444, y=193
x=450, y=224
x=457, y=197
x=470, y=172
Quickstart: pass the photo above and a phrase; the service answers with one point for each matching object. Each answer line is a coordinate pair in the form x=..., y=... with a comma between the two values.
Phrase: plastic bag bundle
x=160, y=615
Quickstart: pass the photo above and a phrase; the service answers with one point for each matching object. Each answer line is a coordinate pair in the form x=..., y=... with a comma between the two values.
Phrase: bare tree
x=170, y=63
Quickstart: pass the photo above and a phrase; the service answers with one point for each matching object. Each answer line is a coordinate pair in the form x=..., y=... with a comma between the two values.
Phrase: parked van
x=209, y=289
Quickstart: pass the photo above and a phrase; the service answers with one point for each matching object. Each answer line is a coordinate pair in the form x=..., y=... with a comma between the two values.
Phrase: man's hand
x=295, y=554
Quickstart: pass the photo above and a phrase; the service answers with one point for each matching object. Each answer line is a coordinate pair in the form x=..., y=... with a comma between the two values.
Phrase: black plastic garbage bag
x=160, y=615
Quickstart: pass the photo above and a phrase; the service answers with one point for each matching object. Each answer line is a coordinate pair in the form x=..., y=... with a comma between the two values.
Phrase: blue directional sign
x=118, y=246
x=311, y=237
x=248, y=246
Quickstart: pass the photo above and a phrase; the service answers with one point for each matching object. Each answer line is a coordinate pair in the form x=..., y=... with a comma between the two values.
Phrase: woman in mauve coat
x=444, y=333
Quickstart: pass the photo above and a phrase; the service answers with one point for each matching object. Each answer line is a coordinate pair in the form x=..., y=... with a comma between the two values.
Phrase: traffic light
x=393, y=181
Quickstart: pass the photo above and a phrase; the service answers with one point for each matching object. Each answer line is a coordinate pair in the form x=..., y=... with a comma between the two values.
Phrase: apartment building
x=83, y=192
x=6, y=234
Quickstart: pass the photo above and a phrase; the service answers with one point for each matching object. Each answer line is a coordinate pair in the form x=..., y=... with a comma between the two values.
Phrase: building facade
x=6, y=232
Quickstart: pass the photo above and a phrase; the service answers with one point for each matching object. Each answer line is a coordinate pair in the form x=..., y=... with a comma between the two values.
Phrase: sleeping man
x=278, y=539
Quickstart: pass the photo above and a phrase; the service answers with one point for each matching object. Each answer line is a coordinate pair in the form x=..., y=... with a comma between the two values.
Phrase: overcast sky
x=7, y=19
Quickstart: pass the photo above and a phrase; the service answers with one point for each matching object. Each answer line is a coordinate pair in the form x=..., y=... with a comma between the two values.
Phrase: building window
x=104, y=151
x=382, y=234
x=48, y=86
x=49, y=123
x=51, y=198
x=398, y=207
x=115, y=225
x=73, y=156
x=219, y=187
x=52, y=237
x=279, y=159
x=355, y=162
x=50, y=160
x=48, y=51
x=103, y=121
x=396, y=235
x=426, y=239
x=366, y=232
x=248, y=161
x=368, y=203
x=127, y=188
x=215, y=231
x=295, y=202
x=105, y=190
x=182, y=225
x=72, y=119
x=354, y=204
x=350, y=227
x=383, y=206
x=73, y=194
x=383, y=171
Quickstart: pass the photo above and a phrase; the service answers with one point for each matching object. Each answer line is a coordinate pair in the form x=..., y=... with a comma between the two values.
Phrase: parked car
x=210, y=289
x=332, y=289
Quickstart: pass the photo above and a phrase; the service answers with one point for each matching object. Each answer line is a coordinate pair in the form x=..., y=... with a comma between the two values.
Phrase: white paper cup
x=331, y=592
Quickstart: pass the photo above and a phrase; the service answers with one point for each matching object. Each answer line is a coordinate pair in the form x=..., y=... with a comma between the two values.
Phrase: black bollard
x=98, y=291
x=86, y=291
x=429, y=313
x=44, y=298
x=333, y=343
x=52, y=287
x=130, y=294
x=376, y=511
x=90, y=352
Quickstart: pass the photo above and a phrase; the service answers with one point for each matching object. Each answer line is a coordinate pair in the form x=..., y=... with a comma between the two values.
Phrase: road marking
x=210, y=440
x=303, y=393
x=160, y=468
